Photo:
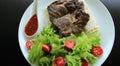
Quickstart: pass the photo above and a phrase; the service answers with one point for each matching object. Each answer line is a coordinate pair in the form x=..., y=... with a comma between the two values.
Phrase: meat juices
x=68, y=16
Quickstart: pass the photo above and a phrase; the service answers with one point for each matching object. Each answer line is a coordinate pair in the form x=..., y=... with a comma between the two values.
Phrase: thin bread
x=92, y=25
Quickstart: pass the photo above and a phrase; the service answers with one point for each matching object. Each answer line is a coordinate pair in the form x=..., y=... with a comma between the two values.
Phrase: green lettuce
x=82, y=49
x=73, y=60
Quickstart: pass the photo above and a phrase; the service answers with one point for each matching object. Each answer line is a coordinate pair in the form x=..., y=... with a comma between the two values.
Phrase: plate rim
x=100, y=4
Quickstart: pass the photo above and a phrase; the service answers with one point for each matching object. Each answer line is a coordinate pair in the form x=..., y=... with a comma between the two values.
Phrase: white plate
x=99, y=12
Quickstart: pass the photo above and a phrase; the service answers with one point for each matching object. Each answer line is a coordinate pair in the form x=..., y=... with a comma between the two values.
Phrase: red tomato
x=69, y=44
x=97, y=51
x=59, y=61
x=29, y=44
x=84, y=62
x=46, y=48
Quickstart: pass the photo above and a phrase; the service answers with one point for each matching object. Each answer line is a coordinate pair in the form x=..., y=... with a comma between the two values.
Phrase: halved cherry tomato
x=69, y=44
x=29, y=44
x=46, y=48
x=97, y=51
x=59, y=61
x=84, y=62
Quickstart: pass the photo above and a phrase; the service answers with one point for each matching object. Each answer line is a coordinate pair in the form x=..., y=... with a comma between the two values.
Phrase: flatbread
x=92, y=25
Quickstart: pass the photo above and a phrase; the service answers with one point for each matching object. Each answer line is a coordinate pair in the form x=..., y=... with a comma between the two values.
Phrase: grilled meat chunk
x=68, y=16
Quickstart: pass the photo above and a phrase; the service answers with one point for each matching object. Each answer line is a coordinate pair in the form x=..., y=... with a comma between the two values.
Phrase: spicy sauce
x=32, y=26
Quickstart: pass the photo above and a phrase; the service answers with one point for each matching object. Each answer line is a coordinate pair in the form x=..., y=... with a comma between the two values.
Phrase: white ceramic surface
x=98, y=11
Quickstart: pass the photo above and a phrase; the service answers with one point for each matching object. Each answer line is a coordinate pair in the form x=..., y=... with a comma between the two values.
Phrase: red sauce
x=32, y=26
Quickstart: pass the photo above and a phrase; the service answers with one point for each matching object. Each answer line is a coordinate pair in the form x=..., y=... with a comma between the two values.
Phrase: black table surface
x=11, y=12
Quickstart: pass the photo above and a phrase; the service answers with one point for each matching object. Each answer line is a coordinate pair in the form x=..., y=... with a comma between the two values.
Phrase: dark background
x=11, y=12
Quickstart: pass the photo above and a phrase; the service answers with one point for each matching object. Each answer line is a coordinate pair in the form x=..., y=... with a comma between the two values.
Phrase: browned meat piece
x=68, y=16
x=56, y=10
x=64, y=0
x=80, y=5
x=68, y=0
x=63, y=24
x=76, y=28
x=81, y=15
x=70, y=6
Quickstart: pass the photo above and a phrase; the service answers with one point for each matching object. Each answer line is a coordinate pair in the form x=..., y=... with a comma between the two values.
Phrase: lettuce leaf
x=82, y=49
x=73, y=60
x=35, y=52
x=44, y=61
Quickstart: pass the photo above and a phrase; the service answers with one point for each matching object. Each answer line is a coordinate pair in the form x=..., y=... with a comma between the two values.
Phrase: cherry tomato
x=46, y=48
x=59, y=61
x=84, y=62
x=97, y=51
x=69, y=44
x=29, y=44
